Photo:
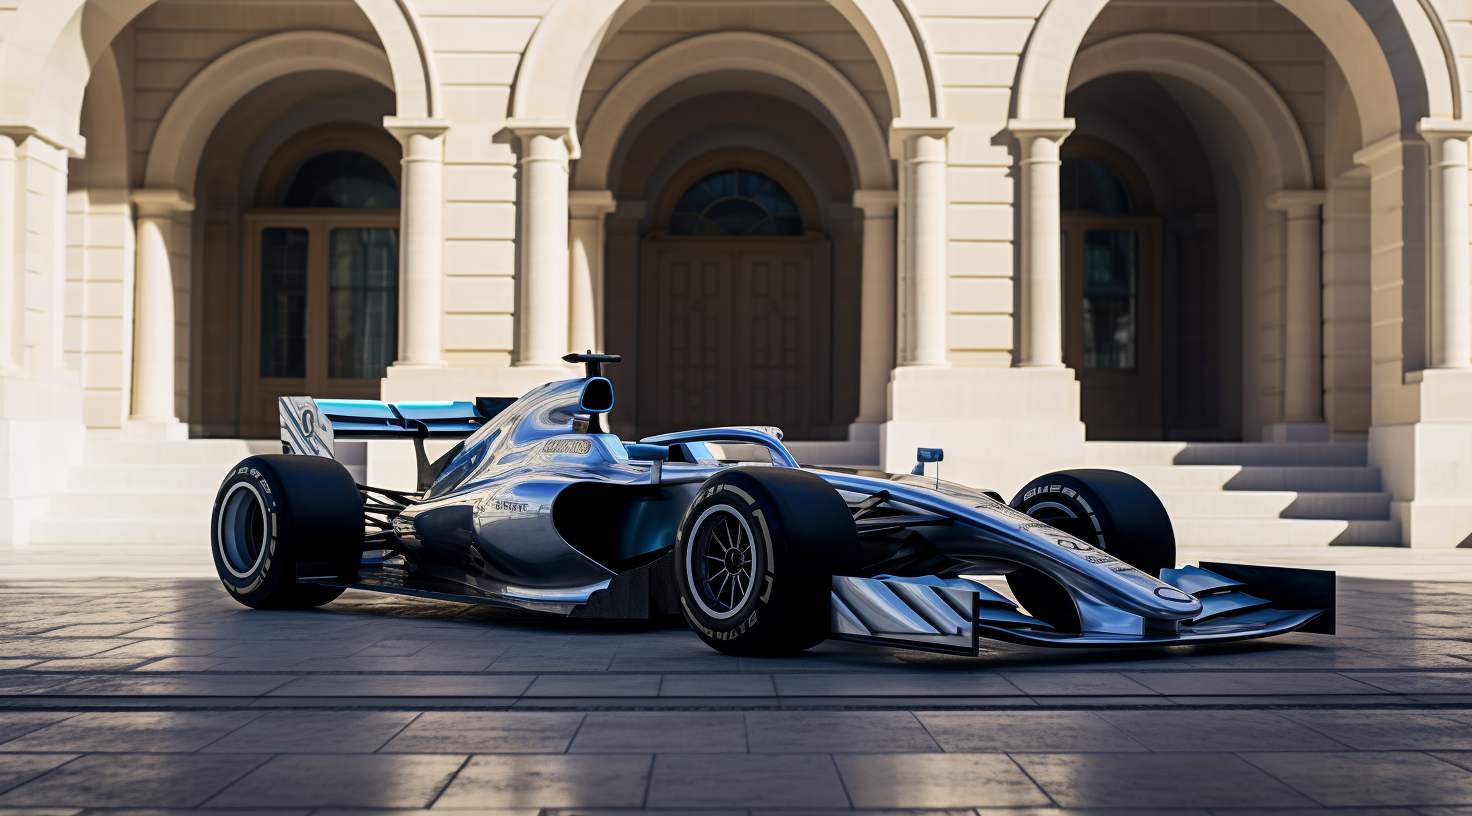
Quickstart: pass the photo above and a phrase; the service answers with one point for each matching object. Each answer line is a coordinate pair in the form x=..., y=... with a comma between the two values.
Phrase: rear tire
x=276, y=511
x=755, y=558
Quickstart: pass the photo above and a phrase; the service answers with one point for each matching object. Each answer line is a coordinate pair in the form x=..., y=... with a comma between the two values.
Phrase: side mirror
x=655, y=455
x=924, y=455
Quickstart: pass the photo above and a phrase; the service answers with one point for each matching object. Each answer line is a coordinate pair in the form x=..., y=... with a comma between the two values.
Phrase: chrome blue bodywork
x=534, y=511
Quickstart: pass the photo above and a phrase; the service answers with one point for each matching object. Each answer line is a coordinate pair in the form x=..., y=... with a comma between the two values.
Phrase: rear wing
x=311, y=427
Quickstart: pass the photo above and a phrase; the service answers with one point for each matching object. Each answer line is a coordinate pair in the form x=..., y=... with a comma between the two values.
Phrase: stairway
x=1262, y=494
x=142, y=491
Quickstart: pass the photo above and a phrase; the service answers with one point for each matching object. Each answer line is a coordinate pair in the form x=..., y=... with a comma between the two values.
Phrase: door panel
x=362, y=305
x=321, y=309
x=283, y=324
x=1112, y=323
x=734, y=332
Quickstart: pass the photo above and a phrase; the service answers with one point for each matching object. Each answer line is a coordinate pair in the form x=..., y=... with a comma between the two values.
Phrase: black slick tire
x=274, y=512
x=755, y=557
x=1111, y=510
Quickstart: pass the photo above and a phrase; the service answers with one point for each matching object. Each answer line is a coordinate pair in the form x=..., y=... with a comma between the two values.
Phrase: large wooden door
x=734, y=332
x=1111, y=290
x=319, y=309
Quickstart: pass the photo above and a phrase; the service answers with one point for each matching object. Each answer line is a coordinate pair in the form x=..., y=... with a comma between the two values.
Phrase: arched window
x=340, y=179
x=736, y=202
x=1088, y=186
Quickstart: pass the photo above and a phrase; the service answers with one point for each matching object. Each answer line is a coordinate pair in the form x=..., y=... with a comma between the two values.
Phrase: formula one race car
x=540, y=508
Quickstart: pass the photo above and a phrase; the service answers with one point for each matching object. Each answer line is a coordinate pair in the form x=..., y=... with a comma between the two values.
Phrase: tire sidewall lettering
x=746, y=505
x=261, y=577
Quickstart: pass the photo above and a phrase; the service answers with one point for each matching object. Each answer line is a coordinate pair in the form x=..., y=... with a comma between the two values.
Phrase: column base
x=999, y=427
x=160, y=430
x=1297, y=432
x=1424, y=465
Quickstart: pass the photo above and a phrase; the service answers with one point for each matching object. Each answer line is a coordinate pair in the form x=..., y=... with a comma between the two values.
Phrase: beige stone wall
x=477, y=46
x=977, y=44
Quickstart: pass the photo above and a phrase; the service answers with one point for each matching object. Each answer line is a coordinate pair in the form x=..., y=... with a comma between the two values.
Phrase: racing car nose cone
x=1173, y=594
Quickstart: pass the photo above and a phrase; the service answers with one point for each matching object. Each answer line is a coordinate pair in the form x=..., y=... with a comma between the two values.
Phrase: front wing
x=1239, y=602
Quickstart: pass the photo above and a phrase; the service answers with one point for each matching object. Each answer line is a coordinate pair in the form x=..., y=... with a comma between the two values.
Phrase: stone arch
x=48, y=54
x=549, y=85
x=1397, y=68
x=735, y=51
x=106, y=124
x=1276, y=139
x=173, y=157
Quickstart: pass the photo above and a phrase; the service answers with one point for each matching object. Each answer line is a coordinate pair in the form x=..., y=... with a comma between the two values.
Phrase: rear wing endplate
x=312, y=427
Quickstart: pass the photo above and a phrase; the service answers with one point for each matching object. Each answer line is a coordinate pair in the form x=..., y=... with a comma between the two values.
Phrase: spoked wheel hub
x=721, y=563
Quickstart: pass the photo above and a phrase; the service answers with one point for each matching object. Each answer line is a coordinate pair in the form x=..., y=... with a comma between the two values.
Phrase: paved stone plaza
x=162, y=693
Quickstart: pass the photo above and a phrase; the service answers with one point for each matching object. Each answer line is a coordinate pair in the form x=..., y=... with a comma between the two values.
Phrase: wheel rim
x=242, y=531
x=720, y=564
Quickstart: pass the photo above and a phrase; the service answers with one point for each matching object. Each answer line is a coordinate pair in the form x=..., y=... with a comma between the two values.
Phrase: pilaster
x=421, y=233
x=1041, y=247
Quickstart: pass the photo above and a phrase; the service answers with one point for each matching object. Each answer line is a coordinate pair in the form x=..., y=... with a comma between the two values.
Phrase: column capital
x=566, y=131
x=159, y=202
x=402, y=126
x=590, y=203
x=1297, y=203
x=907, y=130
x=1434, y=128
x=1027, y=130
x=1379, y=149
x=19, y=129
x=877, y=203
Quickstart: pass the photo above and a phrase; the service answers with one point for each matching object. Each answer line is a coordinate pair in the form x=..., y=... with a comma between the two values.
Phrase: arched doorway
x=1111, y=293
x=735, y=301
x=1152, y=259
x=320, y=274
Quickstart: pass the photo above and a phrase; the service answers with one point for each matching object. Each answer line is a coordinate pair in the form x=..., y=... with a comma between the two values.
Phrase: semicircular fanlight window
x=736, y=202
x=340, y=179
x=1089, y=186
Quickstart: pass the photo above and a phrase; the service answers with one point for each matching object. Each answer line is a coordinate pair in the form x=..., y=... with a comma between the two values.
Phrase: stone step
x=1183, y=478
x=163, y=504
x=191, y=531
x=1253, y=504
x=1256, y=454
x=223, y=452
x=1286, y=533
x=133, y=478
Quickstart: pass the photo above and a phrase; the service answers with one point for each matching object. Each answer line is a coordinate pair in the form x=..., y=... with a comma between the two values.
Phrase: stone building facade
x=1002, y=227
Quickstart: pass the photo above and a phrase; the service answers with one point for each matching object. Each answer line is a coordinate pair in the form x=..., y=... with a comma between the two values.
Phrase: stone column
x=1303, y=392
x=877, y=302
x=585, y=256
x=153, y=305
x=542, y=319
x=1041, y=249
x=420, y=238
x=8, y=244
x=920, y=148
x=1450, y=312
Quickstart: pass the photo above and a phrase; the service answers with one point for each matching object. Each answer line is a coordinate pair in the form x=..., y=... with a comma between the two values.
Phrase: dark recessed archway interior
x=1136, y=153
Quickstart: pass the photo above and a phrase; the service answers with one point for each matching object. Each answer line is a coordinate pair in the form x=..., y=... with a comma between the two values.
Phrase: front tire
x=755, y=558
x=276, y=511
x=1109, y=509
